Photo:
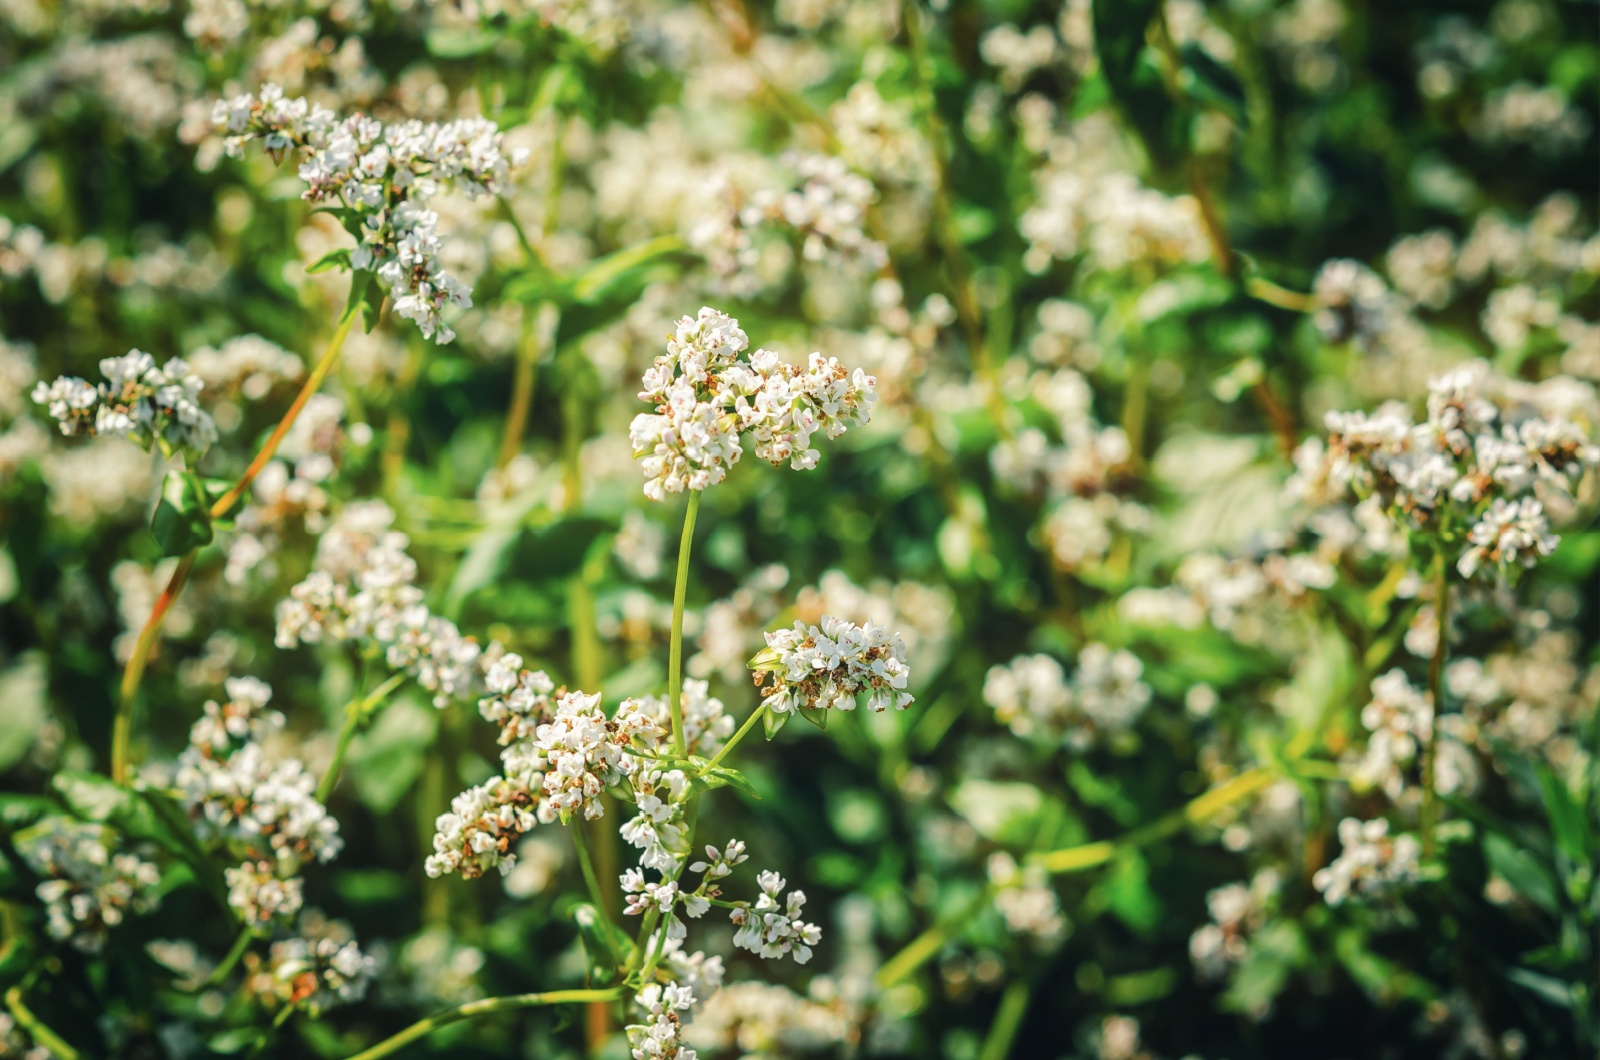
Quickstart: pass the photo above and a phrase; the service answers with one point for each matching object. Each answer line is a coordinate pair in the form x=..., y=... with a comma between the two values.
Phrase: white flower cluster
x=659, y=1037
x=320, y=966
x=1238, y=911
x=15, y=1045
x=560, y=753
x=1372, y=863
x=248, y=365
x=1085, y=203
x=89, y=887
x=1025, y=899
x=384, y=175
x=772, y=929
x=827, y=211
x=1470, y=474
x=1400, y=720
x=707, y=397
x=1353, y=304
x=262, y=809
x=153, y=406
x=827, y=666
x=1104, y=698
x=481, y=827
x=363, y=589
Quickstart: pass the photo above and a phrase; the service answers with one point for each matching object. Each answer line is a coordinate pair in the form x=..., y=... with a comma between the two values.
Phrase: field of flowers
x=782, y=528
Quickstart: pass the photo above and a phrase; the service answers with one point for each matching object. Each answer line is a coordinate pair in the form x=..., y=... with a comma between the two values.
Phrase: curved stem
x=680, y=742
x=473, y=1009
x=749, y=723
x=313, y=383
x=133, y=673
x=1430, y=749
x=40, y=1033
x=222, y=970
x=355, y=712
x=589, y=878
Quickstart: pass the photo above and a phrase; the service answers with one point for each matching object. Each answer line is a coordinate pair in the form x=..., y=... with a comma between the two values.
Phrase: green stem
x=1007, y=1021
x=749, y=724
x=680, y=742
x=1430, y=749
x=589, y=878
x=473, y=1009
x=355, y=712
x=40, y=1033
x=921, y=950
x=222, y=970
x=272, y=1032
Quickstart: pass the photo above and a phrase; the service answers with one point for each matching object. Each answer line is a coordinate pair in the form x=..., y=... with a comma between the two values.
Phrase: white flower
x=772, y=929
x=1372, y=863
x=827, y=666
x=706, y=398
x=151, y=406
x=88, y=886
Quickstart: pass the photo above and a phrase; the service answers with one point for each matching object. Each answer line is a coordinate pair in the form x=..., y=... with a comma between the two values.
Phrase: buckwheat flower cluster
x=663, y=897
x=1025, y=899
x=1373, y=863
x=827, y=211
x=321, y=966
x=1353, y=304
x=239, y=795
x=657, y=830
x=363, y=589
x=483, y=825
x=659, y=1037
x=259, y=895
x=385, y=175
x=1474, y=475
x=583, y=752
x=247, y=365
x=1237, y=912
x=707, y=397
x=828, y=666
x=1400, y=720
x=706, y=726
x=153, y=406
x=772, y=929
x=89, y=887
x=1033, y=696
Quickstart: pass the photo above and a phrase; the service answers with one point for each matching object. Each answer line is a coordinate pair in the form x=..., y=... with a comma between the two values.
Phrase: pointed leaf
x=182, y=519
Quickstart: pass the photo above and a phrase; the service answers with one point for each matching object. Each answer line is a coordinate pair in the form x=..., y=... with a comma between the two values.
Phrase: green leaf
x=1004, y=811
x=606, y=947
x=333, y=259
x=92, y=797
x=461, y=42
x=373, y=295
x=1210, y=84
x=720, y=776
x=19, y=811
x=817, y=716
x=773, y=722
x=622, y=271
x=1566, y=818
x=182, y=519
x=1528, y=876
x=1546, y=988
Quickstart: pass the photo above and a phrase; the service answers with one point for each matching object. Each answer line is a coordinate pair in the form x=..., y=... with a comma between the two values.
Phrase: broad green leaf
x=1527, y=875
x=182, y=519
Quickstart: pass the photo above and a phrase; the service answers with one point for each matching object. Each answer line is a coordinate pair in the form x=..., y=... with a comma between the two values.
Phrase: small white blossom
x=774, y=929
x=828, y=665
x=1372, y=864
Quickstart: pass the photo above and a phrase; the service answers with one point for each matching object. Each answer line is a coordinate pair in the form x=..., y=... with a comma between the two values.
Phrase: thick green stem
x=40, y=1033
x=1430, y=749
x=596, y=895
x=680, y=590
x=749, y=723
x=474, y=1009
